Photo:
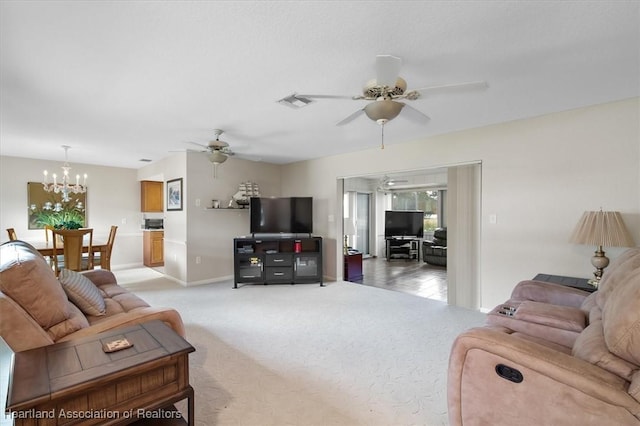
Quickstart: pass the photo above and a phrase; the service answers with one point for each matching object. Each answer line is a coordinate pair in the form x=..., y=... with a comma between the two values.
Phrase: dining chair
x=47, y=231
x=105, y=263
x=12, y=234
x=73, y=242
x=48, y=234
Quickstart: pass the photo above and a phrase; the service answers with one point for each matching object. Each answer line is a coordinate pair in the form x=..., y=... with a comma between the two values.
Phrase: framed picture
x=50, y=208
x=174, y=194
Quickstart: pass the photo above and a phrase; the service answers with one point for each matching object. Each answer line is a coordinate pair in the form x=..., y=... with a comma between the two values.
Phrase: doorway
x=462, y=204
x=357, y=215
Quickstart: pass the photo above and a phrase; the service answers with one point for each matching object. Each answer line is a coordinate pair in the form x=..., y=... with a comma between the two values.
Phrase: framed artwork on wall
x=174, y=194
x=52, y=209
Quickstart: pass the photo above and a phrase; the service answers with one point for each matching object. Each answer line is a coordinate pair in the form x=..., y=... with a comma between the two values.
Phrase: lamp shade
x=600, y=228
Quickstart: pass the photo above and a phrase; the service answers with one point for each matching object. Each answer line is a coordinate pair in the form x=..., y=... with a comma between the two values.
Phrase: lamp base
x=599, y=261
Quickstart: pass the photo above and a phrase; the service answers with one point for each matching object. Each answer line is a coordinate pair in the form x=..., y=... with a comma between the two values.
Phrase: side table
x=77, y=382
x=579, y=283
x=353, y=267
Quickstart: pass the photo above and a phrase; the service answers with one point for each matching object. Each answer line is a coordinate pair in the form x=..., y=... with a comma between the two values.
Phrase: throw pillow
x=82, y=292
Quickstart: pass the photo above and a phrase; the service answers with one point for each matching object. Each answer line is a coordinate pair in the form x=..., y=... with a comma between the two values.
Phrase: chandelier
x=64, y=187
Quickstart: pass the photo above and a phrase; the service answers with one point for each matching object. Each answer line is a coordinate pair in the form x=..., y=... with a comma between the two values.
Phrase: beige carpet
x=344, y=354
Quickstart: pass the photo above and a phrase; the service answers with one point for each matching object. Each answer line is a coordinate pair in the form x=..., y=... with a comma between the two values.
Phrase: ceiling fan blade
x=198, y=144
x=387, y=70
x=326, y=96
x=451, y=88
x=351, y=117
x=415, y=115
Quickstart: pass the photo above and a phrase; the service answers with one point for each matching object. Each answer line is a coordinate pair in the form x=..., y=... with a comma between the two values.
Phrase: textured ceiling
x=120, y=81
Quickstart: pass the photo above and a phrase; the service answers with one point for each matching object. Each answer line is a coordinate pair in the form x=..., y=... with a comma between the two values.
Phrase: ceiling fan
x=218, y=151
x=385, y=91
x=387, y=183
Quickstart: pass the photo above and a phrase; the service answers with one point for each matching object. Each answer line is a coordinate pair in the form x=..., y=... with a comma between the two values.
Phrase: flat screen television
x=403, y=224
x=283, y=215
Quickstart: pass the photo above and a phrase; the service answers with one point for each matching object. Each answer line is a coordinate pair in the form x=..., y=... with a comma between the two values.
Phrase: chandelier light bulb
x=64, y=187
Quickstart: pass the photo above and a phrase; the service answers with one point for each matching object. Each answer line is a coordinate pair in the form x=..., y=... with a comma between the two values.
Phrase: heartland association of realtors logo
x=139, y=413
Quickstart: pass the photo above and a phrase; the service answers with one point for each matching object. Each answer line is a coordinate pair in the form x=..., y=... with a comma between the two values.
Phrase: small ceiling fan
x=387, y=183
x=218, y=151
x=385, y=91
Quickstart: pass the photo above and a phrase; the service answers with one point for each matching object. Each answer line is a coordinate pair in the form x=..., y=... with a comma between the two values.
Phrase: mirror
x=49, y=208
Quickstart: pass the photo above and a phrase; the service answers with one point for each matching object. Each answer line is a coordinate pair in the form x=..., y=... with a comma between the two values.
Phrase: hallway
x=418, y=278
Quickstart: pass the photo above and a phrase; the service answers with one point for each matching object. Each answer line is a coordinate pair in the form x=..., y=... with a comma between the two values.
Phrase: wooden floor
x=408, y=276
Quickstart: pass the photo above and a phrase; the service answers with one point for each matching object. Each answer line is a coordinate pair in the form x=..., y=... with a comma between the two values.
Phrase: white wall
x=113, y=198
x=175, y=221
x=198, y=232
x=538, y=176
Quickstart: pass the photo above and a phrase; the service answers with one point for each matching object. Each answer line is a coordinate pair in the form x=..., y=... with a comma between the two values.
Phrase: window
x=430, y=202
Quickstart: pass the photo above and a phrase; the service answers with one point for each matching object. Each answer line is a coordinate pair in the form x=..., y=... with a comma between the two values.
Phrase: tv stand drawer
x=279, y=259
x=279, y=274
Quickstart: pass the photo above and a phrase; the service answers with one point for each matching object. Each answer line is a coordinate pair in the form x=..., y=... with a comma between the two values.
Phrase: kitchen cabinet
x=151, y=196
x=153, y=246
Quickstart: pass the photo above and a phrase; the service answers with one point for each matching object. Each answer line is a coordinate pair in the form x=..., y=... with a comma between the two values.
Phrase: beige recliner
x=558, y=313
x=499, y=375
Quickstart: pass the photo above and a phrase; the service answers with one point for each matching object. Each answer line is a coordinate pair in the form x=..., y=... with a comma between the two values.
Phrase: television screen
x=292, y=215
x=399, y=223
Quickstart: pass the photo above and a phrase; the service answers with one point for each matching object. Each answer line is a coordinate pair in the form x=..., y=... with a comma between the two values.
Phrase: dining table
x=46, y=249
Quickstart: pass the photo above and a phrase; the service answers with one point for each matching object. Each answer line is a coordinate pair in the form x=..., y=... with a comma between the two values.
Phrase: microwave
x=154, y=224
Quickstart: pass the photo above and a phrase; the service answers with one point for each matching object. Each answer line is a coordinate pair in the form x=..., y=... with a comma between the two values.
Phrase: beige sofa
x=528, y=369
x=38, y=309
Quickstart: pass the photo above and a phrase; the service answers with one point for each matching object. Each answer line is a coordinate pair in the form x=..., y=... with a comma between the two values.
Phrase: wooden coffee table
x=77, y=382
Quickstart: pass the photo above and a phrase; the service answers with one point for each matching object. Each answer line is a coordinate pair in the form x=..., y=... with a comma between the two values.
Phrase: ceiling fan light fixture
x=217, y=157
x=373, y=90
x=383, y=110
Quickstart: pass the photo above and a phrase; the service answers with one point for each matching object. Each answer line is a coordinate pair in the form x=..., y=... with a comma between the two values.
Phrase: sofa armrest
x=571, y=390
x=556, y=294
x=169, y=316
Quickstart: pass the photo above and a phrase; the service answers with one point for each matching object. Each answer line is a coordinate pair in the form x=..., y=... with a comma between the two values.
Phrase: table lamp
x=601, y=229
x=349, y=229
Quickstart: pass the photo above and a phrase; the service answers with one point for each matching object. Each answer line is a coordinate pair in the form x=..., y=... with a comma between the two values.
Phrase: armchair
x=434, y=252
x=517, y=369
x=558, y=313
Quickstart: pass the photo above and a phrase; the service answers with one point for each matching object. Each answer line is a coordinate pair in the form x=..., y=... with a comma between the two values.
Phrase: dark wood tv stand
x=277, y=260
x=402, y=248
